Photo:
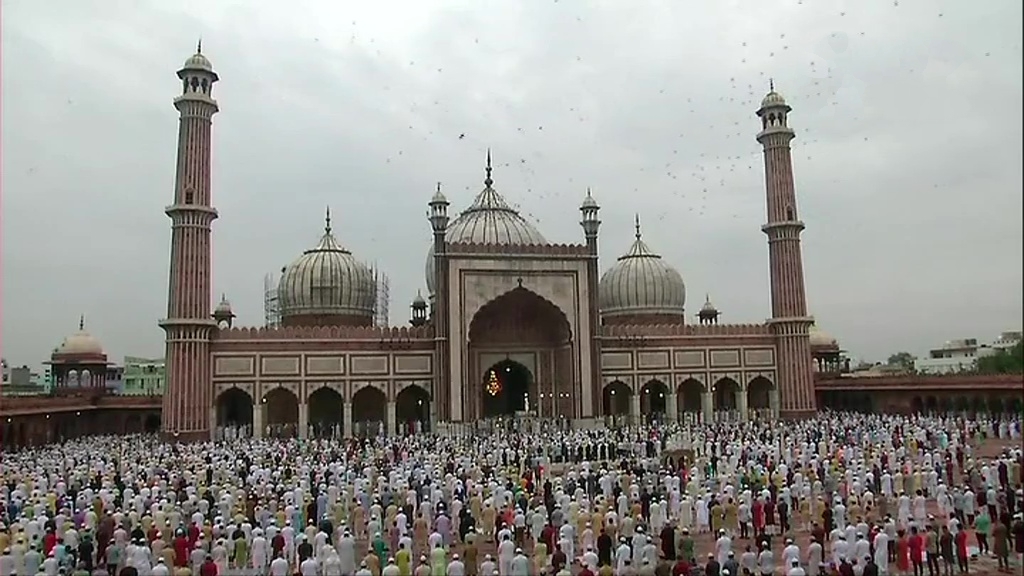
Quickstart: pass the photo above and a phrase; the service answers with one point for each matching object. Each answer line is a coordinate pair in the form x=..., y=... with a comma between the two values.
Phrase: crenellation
x=684, y=330
x=481, y=248
x=354, y=333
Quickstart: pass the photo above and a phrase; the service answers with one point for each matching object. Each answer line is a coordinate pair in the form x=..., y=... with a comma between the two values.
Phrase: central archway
x=507, y=389
x=534, y=336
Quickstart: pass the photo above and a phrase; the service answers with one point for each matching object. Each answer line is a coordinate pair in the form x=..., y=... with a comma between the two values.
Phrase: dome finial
x=636, y=218
x=81, y=323
x=327, y=221
x=487, y=180
x=771, y=84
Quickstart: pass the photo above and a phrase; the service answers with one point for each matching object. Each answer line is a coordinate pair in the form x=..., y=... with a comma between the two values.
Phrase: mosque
x=512, y=324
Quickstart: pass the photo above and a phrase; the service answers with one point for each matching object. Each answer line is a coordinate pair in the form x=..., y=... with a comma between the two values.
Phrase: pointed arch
x=759, y=393
x=281, y=412
x=369, y=411
x=617, y=397
x=725, y=392
x=412, y=410
x=690, y=396
x=326, y=413
x=654, y=398
x=507, y=388
x=520, y=315
x=234, y=408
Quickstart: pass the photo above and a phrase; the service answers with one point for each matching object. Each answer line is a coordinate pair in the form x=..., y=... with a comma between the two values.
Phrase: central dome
x=641, y=283
x=327, y=286
x=488, y=220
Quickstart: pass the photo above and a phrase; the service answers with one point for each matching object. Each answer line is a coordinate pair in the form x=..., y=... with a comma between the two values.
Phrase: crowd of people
x=841, y=494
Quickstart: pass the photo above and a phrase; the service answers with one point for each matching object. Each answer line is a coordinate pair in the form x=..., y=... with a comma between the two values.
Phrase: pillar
x=346, y=416
x=392, y=428
x=672, y=406
x=741, y=404
x=303, y=420
x=257, y=421
x=773, y=401
x=707, y=405
x=634, y=406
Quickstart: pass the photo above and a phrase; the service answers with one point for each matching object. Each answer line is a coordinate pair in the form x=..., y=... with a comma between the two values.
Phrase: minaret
x=438, y=217
x=591, y=224
x=188, y=326
x=790, y=321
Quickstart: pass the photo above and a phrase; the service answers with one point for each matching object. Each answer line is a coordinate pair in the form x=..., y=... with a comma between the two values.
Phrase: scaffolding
x=381, y=298
x=271, y=308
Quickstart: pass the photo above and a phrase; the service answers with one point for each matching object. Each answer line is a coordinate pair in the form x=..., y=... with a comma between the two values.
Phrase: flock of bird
x=713, y=152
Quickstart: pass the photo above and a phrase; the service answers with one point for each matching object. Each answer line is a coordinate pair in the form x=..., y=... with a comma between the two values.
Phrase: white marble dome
x=80, y=342
x=821, y=339
x=773, y=98
x=198, y=61
x=641, y=282
x=488, y=220
x=326, y=281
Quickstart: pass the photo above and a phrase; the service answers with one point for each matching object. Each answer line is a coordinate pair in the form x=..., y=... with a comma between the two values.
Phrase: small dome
x=418, y=301
x=708, y=309
x=641, y=283
x=80, y=342
x=488, y=220
x=773, y=98
x=198, y=61
x=327, y=281
x=224, y=306
x=589, y=203
x=821, y=339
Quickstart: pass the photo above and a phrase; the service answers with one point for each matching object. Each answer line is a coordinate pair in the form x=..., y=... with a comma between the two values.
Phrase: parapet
x=327, y=333
x=685, y=330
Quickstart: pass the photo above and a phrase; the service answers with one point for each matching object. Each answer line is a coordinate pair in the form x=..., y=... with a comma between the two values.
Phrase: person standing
x=1001, y=545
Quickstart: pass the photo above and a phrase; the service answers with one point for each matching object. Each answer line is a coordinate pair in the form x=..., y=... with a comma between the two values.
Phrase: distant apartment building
x=962, y=355
x=143, y=376
x=19, y=380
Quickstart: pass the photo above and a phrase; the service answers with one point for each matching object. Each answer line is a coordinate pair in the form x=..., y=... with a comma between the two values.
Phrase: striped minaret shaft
x=790, y=321
x=188, y=325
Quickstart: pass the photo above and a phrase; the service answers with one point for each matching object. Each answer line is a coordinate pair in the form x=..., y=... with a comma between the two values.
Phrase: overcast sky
x=907, y=157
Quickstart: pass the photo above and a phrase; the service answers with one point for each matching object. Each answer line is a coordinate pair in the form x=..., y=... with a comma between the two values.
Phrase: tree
x=1005, y=361
x=904, y=360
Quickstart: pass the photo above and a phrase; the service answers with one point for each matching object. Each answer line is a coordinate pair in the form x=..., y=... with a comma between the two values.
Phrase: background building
x=143, y=376
x=962, y=355
x=19, y=380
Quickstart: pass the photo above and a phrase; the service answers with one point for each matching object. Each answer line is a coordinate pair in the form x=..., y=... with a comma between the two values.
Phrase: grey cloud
x=907, y=158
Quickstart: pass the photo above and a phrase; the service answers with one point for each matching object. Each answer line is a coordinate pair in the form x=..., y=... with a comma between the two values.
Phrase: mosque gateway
x=510, y=325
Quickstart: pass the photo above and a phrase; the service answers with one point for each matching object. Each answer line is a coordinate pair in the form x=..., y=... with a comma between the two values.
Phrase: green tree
x=904, y=360
x=1006, y=361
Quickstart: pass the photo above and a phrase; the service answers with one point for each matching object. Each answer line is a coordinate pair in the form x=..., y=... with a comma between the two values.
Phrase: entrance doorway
x=506, y=389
